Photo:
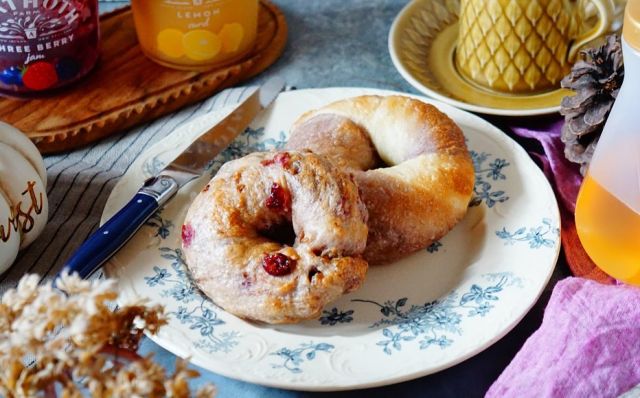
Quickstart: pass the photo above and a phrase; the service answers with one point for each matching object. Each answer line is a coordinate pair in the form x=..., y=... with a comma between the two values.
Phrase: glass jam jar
x=46, y=44
x=195, y=34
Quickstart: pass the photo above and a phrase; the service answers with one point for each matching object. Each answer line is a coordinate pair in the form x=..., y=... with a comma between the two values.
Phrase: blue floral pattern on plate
x=544, y=235
x=293, y=358
x=487, y=173
x=333, y=317
x=203, y=316
x=437, y=322
x=434, y=246
x=162, y=226
x=250, y=141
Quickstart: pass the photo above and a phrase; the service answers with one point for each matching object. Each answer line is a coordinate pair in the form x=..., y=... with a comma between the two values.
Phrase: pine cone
x=596, y=79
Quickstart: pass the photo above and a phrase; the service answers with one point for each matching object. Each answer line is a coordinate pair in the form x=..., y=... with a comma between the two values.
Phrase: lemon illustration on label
x=231, y=36
x=201, y=45
x=170, y=43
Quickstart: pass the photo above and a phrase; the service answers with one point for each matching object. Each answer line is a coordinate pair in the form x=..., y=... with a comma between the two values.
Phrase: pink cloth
x=587, y=346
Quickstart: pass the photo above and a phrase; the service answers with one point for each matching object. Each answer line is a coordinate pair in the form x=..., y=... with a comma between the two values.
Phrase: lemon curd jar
x=195, y=34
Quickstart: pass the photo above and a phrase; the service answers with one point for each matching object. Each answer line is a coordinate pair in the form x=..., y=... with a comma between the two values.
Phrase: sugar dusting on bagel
x=425, y=185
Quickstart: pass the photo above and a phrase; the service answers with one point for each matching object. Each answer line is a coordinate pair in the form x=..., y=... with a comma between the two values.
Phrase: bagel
x=240, y=257
x=409, y=160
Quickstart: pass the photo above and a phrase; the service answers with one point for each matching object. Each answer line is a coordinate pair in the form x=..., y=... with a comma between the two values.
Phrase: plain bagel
x=424, y=177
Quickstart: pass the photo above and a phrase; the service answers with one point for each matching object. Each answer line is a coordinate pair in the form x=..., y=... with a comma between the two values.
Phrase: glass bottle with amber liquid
x=608, y=205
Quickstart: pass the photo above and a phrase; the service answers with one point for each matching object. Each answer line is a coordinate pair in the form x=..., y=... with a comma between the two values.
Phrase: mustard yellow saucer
x=422, y=44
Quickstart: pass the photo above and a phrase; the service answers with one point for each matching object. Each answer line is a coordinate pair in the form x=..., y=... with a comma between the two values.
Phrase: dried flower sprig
x=78, y=345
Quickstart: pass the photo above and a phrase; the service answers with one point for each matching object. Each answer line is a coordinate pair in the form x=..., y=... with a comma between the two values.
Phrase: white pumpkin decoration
x=24, y=207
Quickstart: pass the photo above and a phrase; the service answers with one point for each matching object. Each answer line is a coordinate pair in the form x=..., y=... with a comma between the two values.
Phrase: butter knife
x=157, y=190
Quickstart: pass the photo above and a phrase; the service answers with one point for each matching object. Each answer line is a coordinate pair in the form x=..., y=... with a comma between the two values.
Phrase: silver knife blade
x=191, y=163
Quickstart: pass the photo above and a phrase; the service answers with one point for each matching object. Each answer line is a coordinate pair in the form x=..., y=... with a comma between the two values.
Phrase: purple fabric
x=542, y=137
x=588, y=345
x=564, y=175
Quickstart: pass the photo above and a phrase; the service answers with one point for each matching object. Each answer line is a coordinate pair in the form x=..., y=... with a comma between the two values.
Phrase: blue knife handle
x=103, y=243
x=110, y=237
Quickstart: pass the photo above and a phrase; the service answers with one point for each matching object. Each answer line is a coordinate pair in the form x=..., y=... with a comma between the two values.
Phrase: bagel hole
x=280, y=233
x=379, y=163
x=312, y=273
x=326, y=255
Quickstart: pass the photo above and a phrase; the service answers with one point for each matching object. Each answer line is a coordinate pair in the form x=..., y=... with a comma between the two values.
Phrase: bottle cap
x=631, y=26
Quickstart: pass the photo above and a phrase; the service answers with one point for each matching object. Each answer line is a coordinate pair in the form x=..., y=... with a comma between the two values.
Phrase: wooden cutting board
x=127, y=89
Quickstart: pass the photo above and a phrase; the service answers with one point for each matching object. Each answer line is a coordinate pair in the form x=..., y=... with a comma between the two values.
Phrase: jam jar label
x=45, y=43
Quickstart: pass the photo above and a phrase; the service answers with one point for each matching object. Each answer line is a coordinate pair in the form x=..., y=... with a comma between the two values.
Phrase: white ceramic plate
x=421, y=44
x=425, y=313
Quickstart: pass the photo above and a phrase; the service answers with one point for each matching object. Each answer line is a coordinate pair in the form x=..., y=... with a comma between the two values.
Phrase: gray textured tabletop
x=331, y=43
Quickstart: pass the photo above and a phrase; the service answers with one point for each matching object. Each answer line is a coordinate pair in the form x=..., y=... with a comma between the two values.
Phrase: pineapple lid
x=631, y=26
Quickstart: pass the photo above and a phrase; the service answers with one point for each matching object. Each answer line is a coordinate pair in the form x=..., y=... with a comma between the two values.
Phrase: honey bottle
x=608, y=205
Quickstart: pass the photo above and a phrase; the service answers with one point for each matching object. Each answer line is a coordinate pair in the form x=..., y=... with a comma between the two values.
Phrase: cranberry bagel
x=409, y=160
x=275, y=236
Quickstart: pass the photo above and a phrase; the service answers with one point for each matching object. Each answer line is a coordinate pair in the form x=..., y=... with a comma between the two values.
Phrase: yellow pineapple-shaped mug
x=522, y=46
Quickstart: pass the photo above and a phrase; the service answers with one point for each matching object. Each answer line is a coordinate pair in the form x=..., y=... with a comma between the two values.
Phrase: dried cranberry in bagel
x=281, y=158
x=187, y=234
x=279, y=199
x=278, y=264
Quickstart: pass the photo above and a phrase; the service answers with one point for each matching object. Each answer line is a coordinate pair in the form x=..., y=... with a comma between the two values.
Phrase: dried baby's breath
x=67, y=340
